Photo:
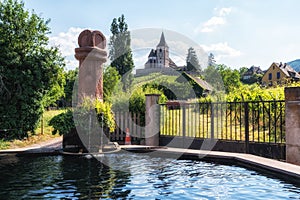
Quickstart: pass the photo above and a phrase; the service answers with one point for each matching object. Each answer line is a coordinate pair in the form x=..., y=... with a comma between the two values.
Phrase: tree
x=222, y=77
x=192, y=62
x=120, y=51
x=231, y=78
x=30, y=70
x=111, y=79
x=57, y=90
x=211, y=60
x=70, y=77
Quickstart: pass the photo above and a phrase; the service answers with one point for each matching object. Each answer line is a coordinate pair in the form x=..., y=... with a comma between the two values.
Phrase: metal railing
x=133, y=121
x=255, y=121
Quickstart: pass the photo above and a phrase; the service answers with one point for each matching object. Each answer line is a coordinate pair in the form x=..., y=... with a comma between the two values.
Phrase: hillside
x=295, y=65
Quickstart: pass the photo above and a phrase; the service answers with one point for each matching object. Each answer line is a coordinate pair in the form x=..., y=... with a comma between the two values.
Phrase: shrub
x=64, y=122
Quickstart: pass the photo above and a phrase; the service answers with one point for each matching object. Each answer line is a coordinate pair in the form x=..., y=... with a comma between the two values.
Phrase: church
x=159, y=60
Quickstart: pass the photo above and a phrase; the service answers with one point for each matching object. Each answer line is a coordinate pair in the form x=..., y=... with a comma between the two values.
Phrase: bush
x=136, y=102
x=64, y=122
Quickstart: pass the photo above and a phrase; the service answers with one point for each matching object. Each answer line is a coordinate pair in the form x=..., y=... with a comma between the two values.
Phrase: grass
x=36, y=137
x=139, y=81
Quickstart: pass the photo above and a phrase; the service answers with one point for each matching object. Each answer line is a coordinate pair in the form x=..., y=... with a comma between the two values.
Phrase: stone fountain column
x=91, y=55
x=292, y=124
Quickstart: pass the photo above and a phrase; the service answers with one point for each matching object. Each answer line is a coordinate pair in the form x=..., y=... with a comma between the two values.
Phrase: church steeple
x=162, y=41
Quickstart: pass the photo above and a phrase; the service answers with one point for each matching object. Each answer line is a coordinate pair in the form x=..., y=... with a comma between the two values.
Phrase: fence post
x=152, y=120
x=183, y=124
x=212, y=124
x=292, y=124
x=246, y=106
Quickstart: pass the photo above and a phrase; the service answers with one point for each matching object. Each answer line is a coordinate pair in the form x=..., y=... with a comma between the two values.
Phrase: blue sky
x=239, y=32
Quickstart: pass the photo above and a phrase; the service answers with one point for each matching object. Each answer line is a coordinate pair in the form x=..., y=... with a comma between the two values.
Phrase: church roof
x=152, y=53
x=162, y=41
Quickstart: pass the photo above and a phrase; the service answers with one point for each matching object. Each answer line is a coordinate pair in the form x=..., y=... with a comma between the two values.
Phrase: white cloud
x=215, y=21
x=67, y=42
x=221, y=50
x=224, y=11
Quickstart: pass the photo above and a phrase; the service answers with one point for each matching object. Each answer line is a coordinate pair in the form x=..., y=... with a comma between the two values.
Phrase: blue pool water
x=63, y=177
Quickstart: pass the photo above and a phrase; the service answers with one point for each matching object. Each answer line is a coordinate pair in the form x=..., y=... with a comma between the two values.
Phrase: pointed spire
x=162, y=41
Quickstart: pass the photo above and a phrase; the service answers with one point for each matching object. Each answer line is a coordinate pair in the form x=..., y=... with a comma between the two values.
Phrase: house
x=279, y=73
x=200, y=87
x=252, y=75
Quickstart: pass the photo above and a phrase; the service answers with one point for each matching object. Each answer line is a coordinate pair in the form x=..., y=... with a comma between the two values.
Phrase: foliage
x=120, y=51
x=70, y=77
x=105, y=115
x=62, y=123
x=4, y=144
x=192, y=62
x=136, y=101
x=111, y=80
x=211, y=60
x=65, y=122
x=172, y=89
x=222, y=77
x=255, y=93
x=57, y=90
x=30, y=70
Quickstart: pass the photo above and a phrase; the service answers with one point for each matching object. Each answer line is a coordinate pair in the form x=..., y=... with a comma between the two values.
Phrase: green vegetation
x=65, y=122
x=111, y=80
x=31, y=72
x=38, y=136
x=70, y=77
x=192, y=62
x=120, y=51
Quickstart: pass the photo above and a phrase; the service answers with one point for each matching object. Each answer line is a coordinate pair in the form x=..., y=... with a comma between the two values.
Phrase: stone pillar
x=292, y=124
x=91, y=55
x=152, y=120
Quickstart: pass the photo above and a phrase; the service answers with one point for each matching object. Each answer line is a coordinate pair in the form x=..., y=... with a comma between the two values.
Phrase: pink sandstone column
x=292, y=124
x=91, y=55
x=152, y=120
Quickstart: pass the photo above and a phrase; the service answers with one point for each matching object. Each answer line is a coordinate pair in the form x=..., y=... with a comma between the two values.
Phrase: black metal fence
x=255, y=122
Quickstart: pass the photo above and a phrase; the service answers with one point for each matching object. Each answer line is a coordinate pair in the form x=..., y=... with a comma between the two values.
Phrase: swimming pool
x=69, y=177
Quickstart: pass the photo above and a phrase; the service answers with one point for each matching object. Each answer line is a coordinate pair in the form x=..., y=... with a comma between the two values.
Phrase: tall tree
x=111, y=79
x=120, y=51
x=70, y=76
x=29, y=68
x=192, y=62
x=211, y=60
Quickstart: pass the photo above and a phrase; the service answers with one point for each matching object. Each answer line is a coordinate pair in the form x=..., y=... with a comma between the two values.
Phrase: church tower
x=162, y=52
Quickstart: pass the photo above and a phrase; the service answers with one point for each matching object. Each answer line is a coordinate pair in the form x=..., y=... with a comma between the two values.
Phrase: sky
x=240, y=33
